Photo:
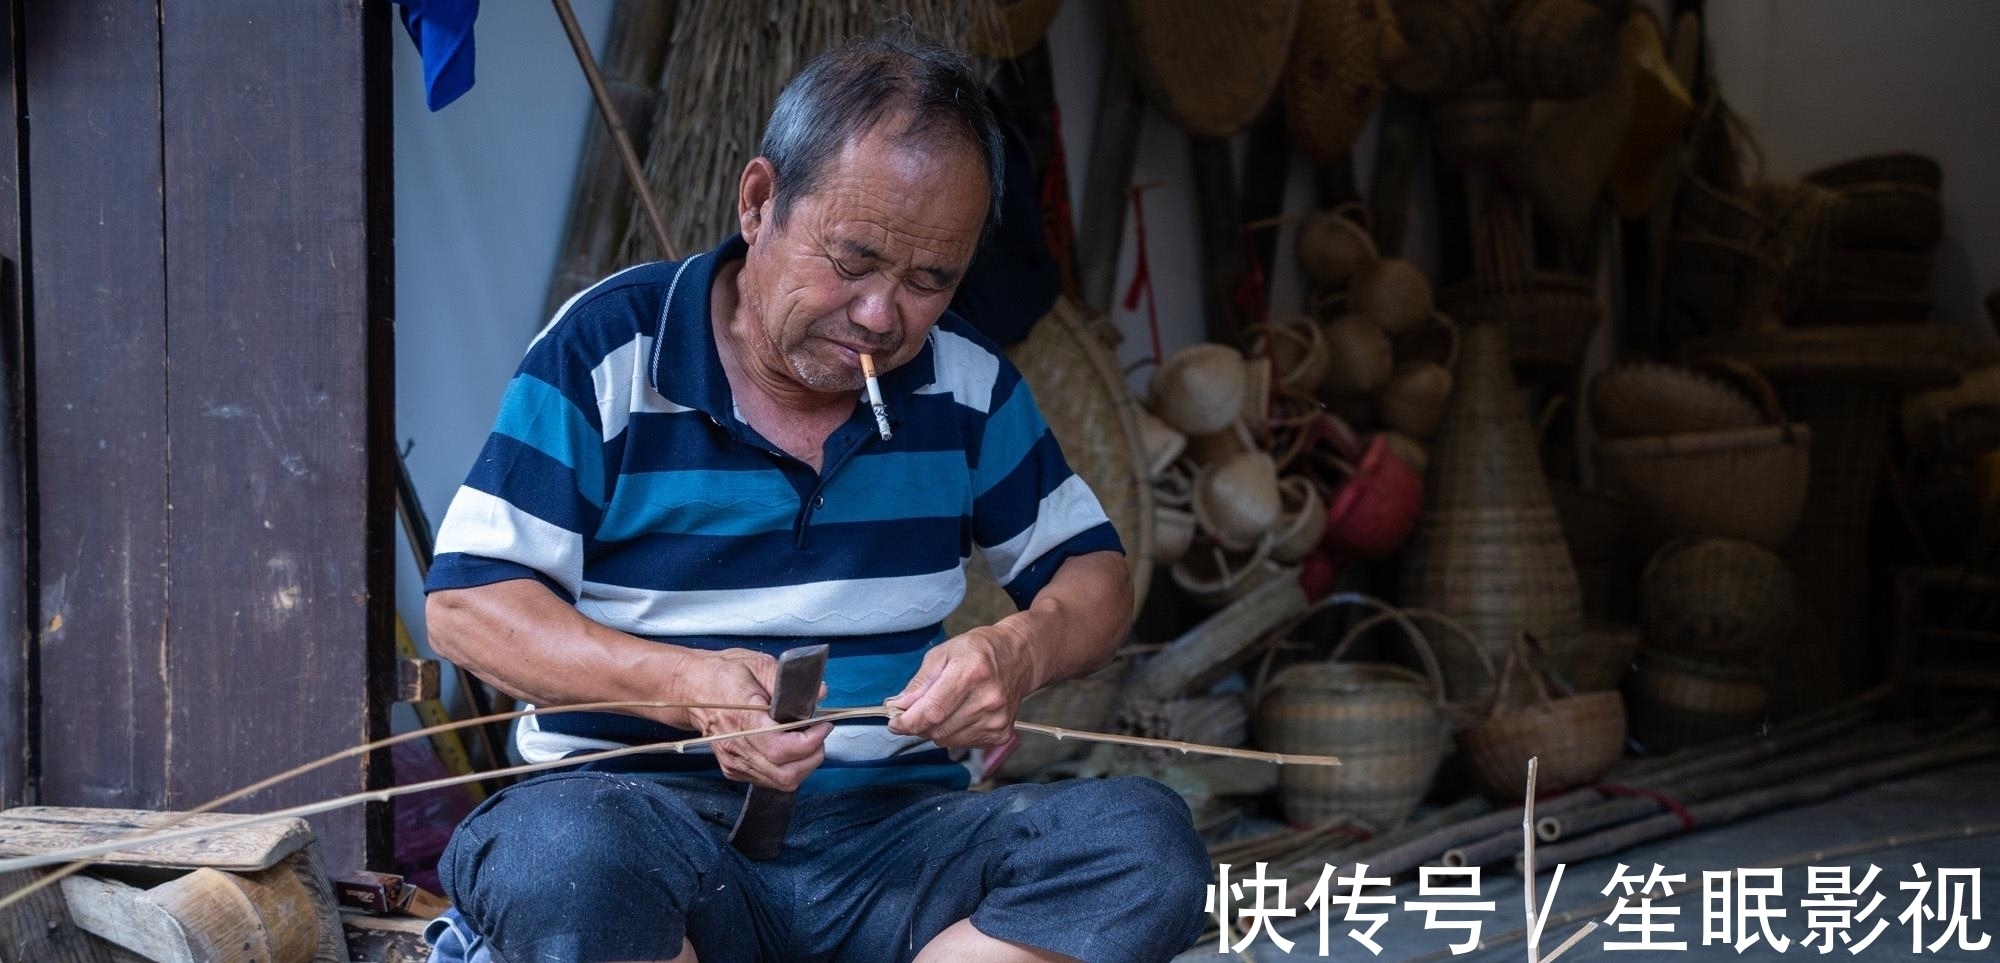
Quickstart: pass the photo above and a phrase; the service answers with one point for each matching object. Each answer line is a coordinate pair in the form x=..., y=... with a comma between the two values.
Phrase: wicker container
x=1210, y=66
x=1576, y=738
x=1333, y=244
x=1891, y=214
x=1599, y=658
x=1480, y=122
x=1335, y=75
x=1550, y=322
x=1386, y=723
x=1199, y=389
x=1677, y=703
x=1901, y=167
x=1647, y=398
x=1488, y=549
x=1715, y=597
x=1450, y=42
x=1297, y=351
x=1558, y=48
x=1743, y=483
x=1393, y=292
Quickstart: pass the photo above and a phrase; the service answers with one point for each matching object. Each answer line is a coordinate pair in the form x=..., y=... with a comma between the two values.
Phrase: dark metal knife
x=767, y=813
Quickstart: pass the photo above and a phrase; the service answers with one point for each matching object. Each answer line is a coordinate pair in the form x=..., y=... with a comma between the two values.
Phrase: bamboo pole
x=600, y=200
x=1756, y=802
x=1432, y=845
x=1793, y=732
x=608, y=109
x=1114, y=146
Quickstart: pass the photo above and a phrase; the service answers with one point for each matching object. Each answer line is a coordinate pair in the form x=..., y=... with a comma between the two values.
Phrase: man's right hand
x=778, y=760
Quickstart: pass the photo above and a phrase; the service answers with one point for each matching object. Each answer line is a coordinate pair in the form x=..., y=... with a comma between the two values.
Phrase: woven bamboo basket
x=1558, y=48
x=1577, y=738
x=1599, y=658
x=1450, y=42
x=1387, y=724
x=1333, y=244
x=1199, y=389
x=1081, y=391
x=1480, y=122
x=1395, y=293
x=1211, y=66
x=1717, y=597
x=1488, y=549
x=1341, y=52
x=1891, y=214
x=1677, y=703
x=1742, y=483
x=1214, y=577
x=1648, y=398
x=1297, y=351
x=1549, y=323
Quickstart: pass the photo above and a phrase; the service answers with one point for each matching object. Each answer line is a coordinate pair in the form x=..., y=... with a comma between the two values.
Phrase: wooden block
x=38, y=929
x=280, y=915
x=416, y=680
x=35, y=830
x=384, y=939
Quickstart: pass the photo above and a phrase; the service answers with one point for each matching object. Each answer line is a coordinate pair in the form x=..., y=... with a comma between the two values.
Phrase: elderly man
x=685, y=481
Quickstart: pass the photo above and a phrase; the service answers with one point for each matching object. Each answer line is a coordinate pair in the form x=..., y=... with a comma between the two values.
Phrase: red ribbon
x=1142, y=274
x=1666, y=802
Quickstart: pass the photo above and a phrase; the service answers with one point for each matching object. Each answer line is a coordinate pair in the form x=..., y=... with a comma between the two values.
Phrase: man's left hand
x=968, y=690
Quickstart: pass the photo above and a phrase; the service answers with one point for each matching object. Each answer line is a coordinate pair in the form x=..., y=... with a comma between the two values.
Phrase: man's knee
x=557, y=858
x=1144, y=819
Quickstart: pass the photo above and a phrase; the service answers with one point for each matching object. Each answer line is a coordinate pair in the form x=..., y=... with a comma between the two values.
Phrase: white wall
x=482, y=186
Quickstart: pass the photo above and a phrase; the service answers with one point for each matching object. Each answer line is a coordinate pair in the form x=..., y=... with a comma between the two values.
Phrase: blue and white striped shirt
x=620, y=475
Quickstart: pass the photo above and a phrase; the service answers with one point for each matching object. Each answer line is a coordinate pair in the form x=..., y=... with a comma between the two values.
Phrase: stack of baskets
x=1713, y=611
x=1696, y=456
x=1884, y=226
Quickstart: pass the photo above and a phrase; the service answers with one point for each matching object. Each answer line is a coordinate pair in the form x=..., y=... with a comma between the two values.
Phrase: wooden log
x=39, y=929
x=600, y=200
x=1113, y=148
x=1758, y=801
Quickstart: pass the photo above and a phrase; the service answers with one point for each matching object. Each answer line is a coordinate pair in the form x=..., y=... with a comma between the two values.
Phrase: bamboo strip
x=1528, y=857
x=1430, y=846
x=1759, y=801
x=384, y=795
x=1789, y=735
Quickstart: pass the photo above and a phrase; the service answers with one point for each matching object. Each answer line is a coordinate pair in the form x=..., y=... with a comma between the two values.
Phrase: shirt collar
x=687, y=370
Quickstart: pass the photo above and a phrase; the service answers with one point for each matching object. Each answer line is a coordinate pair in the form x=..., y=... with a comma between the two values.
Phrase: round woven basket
x=1677, y=703
x=1387, y=724
x=1450, y=42
x=1335, y=75
x=1744, y=483
x=1717, y=597
x=1081, y=392
x=1576, y=738
x=1211, y=66
x=1199, y=389
x=1333, y=244
x=1395, y=293
x=1481, y=121
x=1649, y=398
x=1558, y=48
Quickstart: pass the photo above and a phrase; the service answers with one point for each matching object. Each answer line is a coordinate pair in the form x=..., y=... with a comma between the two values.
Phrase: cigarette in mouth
x=875, y=396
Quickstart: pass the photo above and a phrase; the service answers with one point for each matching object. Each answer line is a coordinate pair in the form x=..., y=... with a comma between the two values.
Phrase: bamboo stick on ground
x=1430, y=846
x=1865, y=746
x=1759, y=801
x=1844, y=715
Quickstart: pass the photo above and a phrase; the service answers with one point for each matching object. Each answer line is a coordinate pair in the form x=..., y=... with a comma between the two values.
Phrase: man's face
x=867, y=261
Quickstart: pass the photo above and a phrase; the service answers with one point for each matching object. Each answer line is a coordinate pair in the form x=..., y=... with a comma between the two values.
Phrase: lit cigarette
x=875, y=396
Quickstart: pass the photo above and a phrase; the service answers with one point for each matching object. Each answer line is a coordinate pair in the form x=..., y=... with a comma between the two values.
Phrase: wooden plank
x=1222, y=262
x=15, y=591
x=280, y=400
x=35, y=830
x=99, y=337
x=120, y=914
x=38, y=929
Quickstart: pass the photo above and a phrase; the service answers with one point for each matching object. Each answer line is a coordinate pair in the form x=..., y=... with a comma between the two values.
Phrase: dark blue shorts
x=589, y=867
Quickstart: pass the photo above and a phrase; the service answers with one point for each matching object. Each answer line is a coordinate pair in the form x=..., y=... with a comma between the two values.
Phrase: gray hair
x=846, y=91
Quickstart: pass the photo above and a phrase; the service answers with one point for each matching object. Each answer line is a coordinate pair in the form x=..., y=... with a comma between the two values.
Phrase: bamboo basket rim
x=1707, y=442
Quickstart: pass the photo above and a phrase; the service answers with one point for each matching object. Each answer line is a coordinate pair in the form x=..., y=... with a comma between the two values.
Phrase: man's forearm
x=1078, y=619
x=518, y=636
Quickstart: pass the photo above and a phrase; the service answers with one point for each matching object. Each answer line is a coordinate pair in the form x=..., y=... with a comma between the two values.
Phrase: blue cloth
x=589, y=867
x=442, y=31
x=620, y=476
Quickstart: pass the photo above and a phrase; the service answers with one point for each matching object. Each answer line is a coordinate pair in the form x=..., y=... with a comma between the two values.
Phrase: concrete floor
x=1964, y=795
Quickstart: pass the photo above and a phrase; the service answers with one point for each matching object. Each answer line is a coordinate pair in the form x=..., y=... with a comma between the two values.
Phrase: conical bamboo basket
x=1488, y=549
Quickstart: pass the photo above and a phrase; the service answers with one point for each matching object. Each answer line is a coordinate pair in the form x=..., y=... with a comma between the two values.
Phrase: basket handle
x=1417, y=644
x=1529, y=666
x=1748, y=378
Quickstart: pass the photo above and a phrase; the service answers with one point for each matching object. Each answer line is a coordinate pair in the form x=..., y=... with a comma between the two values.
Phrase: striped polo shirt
x=621, y=475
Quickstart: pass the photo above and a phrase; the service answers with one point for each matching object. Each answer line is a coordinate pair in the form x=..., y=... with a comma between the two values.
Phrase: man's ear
x=755, y=191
